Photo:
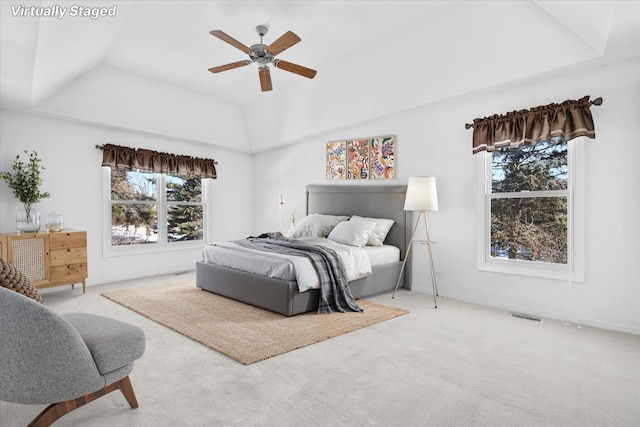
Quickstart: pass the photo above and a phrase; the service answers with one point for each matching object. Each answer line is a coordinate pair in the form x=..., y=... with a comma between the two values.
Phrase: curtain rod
x=597, y=101
x=100, y=147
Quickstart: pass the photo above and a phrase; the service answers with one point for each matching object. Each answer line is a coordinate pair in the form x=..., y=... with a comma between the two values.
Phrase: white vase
x=28, y=220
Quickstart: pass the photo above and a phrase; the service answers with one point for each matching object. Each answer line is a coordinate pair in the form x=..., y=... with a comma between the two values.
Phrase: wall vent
x=525, y=316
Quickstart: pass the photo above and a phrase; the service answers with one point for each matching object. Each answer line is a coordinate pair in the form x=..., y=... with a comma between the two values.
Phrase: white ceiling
x=146, y=68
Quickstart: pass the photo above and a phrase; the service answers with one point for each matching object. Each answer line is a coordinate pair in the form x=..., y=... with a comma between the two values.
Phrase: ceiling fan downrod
x=259, y=53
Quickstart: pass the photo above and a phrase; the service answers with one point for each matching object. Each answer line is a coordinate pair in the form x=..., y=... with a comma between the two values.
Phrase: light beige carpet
x=243, y=332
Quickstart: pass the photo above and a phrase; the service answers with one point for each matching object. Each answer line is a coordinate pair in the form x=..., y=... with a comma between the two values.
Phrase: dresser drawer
x=69, y=273
x=68, y=256
x=67, y=239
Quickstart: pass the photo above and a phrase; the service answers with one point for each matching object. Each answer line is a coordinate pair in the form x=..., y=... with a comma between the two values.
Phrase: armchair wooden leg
x=57, y=410
x=127, y=391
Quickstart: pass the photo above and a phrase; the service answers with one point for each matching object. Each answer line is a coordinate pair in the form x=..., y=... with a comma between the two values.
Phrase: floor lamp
x=422, y=196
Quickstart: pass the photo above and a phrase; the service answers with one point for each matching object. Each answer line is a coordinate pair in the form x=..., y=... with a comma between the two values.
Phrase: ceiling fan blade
x=265, y=79
x=233, y=42
x=285, y=41
x=231, y=66
x=295, y=68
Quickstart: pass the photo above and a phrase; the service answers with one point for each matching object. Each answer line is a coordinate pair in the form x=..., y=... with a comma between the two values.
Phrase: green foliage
x=123, y=187
x=530, y=228
x=184, y=215
x=185, y=189
x=25, y=180
x=185, y=221
x=533, y=168
x=533, y=229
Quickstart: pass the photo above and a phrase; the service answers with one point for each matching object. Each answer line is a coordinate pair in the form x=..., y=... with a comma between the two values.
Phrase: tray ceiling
x=146, y=68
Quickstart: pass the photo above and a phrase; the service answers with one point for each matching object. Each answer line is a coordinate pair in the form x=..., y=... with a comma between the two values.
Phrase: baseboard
x=560, y=317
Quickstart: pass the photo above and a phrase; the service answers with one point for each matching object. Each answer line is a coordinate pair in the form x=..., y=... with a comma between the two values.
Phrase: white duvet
x=287, y=267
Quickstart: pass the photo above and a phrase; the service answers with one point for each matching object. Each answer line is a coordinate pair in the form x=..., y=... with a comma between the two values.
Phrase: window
x=530, y=216
x=134, y=208
x=152, y=210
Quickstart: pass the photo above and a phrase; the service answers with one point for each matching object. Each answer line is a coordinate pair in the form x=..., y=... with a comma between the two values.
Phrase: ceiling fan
x=264, y=55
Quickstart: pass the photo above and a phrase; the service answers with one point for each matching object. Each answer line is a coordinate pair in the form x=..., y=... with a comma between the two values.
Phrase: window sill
x=152, y=248
x=524, y=268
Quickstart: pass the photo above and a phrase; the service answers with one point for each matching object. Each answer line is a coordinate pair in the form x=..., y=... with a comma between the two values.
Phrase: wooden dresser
x=48, y=259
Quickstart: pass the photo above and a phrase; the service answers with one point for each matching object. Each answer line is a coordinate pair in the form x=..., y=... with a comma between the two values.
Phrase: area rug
x=243, y=332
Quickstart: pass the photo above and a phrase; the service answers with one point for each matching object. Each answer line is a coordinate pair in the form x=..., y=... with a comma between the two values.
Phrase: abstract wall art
x=383, y=157
x=336, y=160
x=358, y=159
x=362, y=158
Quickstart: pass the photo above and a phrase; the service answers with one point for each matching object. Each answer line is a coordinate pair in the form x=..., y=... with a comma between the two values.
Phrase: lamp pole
x=422, y=214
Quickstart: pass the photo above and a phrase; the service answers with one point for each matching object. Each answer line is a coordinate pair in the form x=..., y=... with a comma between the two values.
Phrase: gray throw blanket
x=335, y=294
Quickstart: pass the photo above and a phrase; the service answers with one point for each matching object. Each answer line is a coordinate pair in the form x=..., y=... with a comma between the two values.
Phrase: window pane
x=535, y=168
x=183, y=189
x=184, y=223
x=531, y=228
x=133, y=224
x=132, y=185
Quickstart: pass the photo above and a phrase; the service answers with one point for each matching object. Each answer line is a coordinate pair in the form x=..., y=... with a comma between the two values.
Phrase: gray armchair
x=64, y=360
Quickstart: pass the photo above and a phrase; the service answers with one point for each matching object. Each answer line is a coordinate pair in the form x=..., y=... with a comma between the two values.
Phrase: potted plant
x=25, y=181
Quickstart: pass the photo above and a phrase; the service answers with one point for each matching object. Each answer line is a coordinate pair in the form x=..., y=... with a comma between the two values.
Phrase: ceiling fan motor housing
x=260, y=54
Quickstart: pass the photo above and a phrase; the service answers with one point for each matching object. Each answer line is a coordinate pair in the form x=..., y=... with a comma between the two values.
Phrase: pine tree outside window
x=185, y=210
x=152, y=209
x=528, y=203
x=529, y=210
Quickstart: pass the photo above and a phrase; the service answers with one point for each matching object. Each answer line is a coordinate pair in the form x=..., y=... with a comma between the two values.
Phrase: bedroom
x=260, y=147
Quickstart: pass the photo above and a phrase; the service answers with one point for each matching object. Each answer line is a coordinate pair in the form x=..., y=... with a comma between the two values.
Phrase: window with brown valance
x=118, y=157
x=567, y=121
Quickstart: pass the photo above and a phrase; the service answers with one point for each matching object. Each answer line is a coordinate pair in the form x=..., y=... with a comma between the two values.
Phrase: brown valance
x=567, y=120
x=118, y=157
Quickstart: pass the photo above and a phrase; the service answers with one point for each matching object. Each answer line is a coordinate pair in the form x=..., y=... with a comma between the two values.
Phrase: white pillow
x=352, y=233
x=379, y=232
x=316, y=225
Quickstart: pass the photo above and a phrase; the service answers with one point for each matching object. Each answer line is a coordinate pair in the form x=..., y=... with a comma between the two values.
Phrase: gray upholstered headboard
x=376, y=201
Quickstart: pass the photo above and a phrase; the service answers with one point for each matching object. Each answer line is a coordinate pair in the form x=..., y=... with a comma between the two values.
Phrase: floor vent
x=525, y=316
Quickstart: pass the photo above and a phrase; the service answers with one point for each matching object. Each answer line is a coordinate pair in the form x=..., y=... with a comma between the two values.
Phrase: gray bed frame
x=282, y=296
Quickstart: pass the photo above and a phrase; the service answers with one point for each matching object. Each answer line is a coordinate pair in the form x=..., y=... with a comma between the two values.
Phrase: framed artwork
x=383, y=157
x=361, y=159
x=336, y=160
x=358, y=159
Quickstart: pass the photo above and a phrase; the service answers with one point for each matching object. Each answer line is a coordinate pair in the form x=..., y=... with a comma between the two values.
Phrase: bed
x=283, y=296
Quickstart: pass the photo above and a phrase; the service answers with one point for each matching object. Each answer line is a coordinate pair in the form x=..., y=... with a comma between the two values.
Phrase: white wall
x=433, y=141
x=73, y=176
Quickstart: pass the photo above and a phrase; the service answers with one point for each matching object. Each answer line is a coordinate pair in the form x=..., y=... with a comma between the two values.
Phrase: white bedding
x=380, y=255
x=356, y=261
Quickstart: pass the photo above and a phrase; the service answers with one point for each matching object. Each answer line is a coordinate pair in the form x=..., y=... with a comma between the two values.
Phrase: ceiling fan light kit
x=264, y=55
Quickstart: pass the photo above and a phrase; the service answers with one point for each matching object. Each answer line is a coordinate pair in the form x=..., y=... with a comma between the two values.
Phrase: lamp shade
x=421, y=194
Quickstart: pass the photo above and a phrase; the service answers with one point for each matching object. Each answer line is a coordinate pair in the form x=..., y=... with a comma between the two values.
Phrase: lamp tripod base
x=422, y=214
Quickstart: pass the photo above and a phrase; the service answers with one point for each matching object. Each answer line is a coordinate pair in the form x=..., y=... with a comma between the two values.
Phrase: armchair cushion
x=113, y=344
